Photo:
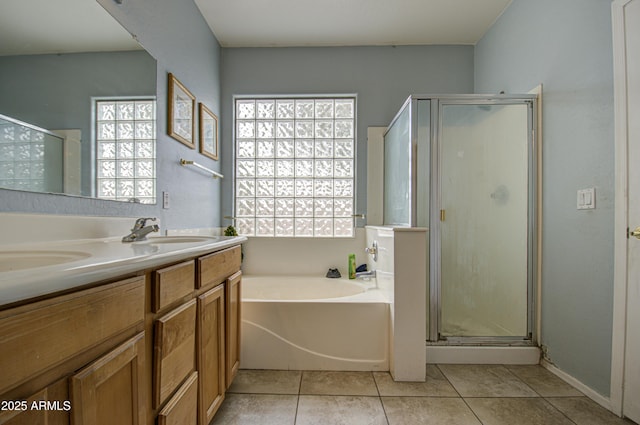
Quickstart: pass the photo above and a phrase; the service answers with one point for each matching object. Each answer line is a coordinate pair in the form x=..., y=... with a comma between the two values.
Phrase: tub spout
x=368, y=275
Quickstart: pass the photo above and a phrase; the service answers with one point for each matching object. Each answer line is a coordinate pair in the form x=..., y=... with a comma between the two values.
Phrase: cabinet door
x=182, y=409
x=49, y=406
x=211, y=355
x=111, y=390
x=174, y=351
x=233, y=318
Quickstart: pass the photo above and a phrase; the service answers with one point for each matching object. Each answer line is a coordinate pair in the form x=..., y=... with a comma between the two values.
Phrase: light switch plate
x=586, y=199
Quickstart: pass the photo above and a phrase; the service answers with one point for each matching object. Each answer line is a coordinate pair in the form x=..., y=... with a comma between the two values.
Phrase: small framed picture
x=208, y=132
x=182, y=105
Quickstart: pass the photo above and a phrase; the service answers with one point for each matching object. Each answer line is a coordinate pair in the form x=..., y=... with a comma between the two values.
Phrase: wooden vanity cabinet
x=48, y=352
x=189, y=320
x=160, y=347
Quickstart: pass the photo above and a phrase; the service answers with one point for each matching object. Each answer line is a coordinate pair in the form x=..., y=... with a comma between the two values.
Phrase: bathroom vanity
x=152, y=337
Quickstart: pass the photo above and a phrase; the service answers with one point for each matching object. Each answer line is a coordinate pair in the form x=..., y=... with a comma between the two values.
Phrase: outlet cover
x=165, y=200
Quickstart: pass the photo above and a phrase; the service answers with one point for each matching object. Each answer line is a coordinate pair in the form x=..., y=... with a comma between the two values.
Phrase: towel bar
x=214, y=174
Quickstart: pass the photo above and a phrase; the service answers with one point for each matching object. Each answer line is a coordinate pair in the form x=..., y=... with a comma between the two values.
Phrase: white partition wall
x=402, y=271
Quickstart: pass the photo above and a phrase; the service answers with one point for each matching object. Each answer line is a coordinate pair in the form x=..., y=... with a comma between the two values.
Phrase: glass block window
x=125, y=132
x=22, y=157
x=295, y=166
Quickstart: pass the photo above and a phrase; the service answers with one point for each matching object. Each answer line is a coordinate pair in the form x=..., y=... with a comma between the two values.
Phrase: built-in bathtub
x=313, y=323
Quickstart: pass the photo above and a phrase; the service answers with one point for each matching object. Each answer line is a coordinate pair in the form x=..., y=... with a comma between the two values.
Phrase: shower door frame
x=435, y=306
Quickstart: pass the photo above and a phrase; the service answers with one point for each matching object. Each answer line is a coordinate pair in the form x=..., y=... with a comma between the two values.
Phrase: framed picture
x=182, y=105
x=208, y=133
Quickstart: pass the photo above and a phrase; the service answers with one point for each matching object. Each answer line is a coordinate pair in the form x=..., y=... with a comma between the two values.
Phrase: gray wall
x=382, y=77
x=566, y=46
x=182, y=43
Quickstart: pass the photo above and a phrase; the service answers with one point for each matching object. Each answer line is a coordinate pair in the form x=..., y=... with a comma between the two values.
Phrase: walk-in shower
x=465, y=167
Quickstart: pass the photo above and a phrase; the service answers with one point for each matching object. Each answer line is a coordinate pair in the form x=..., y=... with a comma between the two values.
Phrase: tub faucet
x=373, y=250
x=140, y=231
x=368, y=275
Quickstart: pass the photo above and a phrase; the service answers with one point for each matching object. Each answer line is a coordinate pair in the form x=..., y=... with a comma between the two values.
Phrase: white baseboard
x=589, y=392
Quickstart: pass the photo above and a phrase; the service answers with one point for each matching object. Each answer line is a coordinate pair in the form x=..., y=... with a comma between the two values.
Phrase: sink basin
x=179, y=239
x=19, y=260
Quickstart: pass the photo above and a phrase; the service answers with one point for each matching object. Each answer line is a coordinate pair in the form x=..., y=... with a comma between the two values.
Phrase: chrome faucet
x=140, y=230
x=366, y=275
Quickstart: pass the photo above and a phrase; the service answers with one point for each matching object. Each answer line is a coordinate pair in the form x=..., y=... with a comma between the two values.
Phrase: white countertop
x=101, y=259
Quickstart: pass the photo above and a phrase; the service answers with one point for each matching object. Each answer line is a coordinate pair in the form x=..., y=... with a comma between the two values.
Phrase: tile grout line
x=459, y=395
x=375, y=382
x=539, y=395
x=561, y=412
x=523, y=381
x=295, y=417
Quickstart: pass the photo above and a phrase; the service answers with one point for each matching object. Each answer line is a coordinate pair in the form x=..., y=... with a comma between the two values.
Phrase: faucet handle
x=373, y=251
x=141, y=222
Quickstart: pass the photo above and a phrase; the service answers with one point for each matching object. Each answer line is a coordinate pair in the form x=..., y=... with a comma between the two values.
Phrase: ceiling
x=67, y=26
x=62, y=26
x=280, y=23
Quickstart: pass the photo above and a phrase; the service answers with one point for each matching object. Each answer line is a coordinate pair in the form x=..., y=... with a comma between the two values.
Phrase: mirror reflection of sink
x=180, y=239
x=20, y=260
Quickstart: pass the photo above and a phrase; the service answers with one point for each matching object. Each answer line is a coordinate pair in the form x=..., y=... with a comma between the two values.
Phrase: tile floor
x=452, y=394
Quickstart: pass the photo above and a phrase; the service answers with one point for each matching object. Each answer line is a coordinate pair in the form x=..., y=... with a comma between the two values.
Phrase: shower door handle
x=635, y=232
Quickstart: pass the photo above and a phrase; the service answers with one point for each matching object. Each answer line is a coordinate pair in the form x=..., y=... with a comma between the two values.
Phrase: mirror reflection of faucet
x=144, y=248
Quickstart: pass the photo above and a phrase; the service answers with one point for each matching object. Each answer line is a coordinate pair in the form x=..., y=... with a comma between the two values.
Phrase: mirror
x=57, y=59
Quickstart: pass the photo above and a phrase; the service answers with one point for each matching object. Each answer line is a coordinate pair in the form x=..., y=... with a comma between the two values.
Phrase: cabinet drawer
x=182, y=409
x=39, y=336
x=172, y=283
x=174, y=350
x=215, y=268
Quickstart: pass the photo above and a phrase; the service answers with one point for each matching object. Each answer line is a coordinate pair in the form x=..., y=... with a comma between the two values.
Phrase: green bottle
x=352, y=266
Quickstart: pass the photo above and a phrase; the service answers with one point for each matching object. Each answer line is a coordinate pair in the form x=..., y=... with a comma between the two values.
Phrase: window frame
x=332, y=96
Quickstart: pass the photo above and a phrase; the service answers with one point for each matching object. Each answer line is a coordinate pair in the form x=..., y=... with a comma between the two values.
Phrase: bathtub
x=313, y=323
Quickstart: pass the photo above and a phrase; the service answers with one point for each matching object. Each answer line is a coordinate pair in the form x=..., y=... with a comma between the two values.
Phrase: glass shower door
x=484, y=220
